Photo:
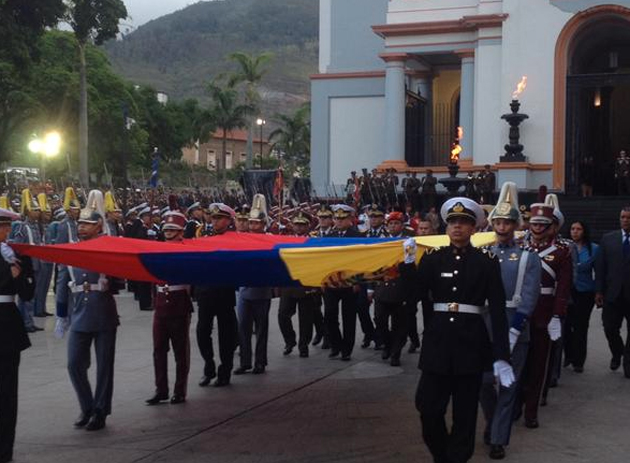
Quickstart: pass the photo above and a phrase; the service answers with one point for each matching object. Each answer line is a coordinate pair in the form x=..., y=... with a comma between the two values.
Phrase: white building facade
x=398, y=77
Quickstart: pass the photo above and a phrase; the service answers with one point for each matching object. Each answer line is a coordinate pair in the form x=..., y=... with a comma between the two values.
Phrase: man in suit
x=612, y=283
x=16, y=278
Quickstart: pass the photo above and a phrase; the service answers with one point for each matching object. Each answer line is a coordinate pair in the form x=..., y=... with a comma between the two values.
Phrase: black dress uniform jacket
x=13, y=337
x=458, y=343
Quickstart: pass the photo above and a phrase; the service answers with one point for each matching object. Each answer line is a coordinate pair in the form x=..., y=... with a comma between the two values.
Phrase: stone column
x=395, y=105
x=467, y=101
x=425, y=90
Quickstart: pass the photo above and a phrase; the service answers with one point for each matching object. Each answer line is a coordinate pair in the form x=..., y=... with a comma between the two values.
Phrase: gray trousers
x=498, y=408
x=253, y=313
x=79, y=357
x=42, y=285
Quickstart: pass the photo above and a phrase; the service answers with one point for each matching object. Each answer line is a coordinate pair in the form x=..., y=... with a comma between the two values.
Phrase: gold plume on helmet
x=70, y=200
x=42, y=199
x=94, y=209
x=507, y=205
x=29, y=203
x=5, y=203
x=110, y=203
x=552, y=200
x=259, y=208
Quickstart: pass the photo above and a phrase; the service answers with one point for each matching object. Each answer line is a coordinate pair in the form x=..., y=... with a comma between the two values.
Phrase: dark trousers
x=173, y=331
x=143, y=292
x=432, y=397
x=348, y=299
x=318, y=319
x=41, y=287
x=79, y=356
x=412, y=323
x=576, y=327
x=306, y=308
x=253, y=314
x=536, y=370
x=228, y=335
x=612, y=318
x=363, y=311
x=393, y=338
x=9, y=366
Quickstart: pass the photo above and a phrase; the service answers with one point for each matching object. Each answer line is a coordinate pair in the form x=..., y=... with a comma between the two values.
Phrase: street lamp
x=261, y=122
x=48, y=147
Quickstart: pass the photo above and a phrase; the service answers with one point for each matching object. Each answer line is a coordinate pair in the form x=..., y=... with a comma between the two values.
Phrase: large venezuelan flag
x=240, y=259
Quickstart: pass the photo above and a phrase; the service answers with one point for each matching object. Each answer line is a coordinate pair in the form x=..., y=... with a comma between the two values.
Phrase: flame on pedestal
x=520, y=87
x=457, y=148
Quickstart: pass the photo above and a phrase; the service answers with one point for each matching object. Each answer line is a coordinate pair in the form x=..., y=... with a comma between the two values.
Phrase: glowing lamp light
x=520, y=88
x=52, y=144
x=35, y=146
x=457, y=148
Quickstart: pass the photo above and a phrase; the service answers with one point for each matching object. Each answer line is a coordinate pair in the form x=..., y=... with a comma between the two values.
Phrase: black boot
x=97, y=421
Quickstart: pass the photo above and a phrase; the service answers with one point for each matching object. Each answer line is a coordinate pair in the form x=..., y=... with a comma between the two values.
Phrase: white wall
x=356, y=135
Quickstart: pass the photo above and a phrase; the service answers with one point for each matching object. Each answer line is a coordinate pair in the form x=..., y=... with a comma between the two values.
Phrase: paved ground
x=302, y=410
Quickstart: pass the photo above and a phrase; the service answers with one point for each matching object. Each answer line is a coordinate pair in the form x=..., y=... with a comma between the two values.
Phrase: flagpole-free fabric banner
x=240, y=259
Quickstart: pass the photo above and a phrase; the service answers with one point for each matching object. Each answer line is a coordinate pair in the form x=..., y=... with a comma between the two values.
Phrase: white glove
x=8, y=254
x=151, y=233
x=554, y=328
x=514, y=334
x=411, y=250
x=504, y=373
x=61, y=326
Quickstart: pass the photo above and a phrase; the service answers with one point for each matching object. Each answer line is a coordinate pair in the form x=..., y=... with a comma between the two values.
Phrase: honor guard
x=325, y=219
x=555, y=286
x=66, y=233
x=390, y=303
x=520, y=273
x=254, y=304
x=457, y=347
x=28, y=232
x=241, y=219
x=92, y=319
x=45, y=274
x=113, y=216
x=347, y=297
x=195, y=215
x=376, y=217
x=219, y=302
x=171, y=325
x=16, y=280
x=306, y=301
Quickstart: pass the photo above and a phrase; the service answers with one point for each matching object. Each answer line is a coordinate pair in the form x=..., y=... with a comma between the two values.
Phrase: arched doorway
x=597, y=96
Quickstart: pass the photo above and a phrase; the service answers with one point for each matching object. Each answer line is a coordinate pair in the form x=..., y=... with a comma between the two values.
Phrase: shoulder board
x=432, y=250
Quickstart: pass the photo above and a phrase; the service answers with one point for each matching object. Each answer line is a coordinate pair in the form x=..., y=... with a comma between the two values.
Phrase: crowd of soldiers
x=493, y=318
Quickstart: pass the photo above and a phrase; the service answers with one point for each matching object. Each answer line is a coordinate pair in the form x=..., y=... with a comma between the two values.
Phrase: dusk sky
x=142, y=11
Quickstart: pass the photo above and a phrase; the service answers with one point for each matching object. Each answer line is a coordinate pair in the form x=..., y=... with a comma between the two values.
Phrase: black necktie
x=626, y=246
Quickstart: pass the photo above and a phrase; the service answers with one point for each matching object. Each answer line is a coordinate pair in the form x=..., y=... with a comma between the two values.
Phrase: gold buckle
x=453, y=307
x=86, y=286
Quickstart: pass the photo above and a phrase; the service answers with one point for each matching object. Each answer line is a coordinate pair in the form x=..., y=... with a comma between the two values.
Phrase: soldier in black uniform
x=217, y=302
x=456, y=347
x=347, y=296
x=195, y=213
x=16, y=278
x=390, y=303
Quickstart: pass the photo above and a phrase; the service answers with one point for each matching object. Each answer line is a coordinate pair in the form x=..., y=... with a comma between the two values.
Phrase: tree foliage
x=292, y=139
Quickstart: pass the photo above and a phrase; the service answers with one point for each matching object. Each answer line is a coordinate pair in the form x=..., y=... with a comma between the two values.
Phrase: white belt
x=548, y=291
x=456, y=307
x=5, y=298
x=167, y=288
x=86, y=287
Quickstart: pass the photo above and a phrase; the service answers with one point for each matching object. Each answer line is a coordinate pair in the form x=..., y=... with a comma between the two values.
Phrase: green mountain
x=179, y=53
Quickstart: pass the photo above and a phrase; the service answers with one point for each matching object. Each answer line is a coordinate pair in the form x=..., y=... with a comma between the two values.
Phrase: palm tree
x=252, y=69
x=228, y=114
x=293, y=139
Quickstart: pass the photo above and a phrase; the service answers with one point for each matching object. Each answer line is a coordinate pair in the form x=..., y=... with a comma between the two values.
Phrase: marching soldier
x=306, y=301
x=113, y=215
x=66, y=233
x=195, y=214
x=520, y=273
x=346, y=296
x=171, y=324
x=555, y=287
x=28, y=232
x=217, y=302
x=253, y=305
x=92, y=318
x=390, y=302
x=456, y=347
x=16, y=278
x=46, y=268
